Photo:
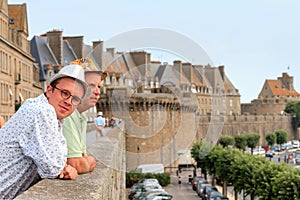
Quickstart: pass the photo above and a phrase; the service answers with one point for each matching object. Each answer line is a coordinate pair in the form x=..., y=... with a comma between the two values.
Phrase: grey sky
x=255, y=40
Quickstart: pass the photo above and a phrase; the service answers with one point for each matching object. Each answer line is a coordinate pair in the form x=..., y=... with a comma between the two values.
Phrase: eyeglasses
x=66, y=95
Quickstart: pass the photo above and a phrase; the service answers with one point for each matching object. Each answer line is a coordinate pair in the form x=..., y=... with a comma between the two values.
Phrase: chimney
x=177, y=65
x=222, y=73
x=56, y=44
x=178, y=68
x=187, y=69
x=142, y=58
x=98, y=53
x=76, y=44
x=111, y=51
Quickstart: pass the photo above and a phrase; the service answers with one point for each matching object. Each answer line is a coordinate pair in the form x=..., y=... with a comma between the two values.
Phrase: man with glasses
x=74, y=128
x=32, y=145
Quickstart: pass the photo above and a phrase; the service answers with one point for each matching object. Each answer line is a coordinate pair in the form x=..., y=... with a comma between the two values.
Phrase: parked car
x=136, y=189
x=214, y=194
x=286, y=146
x=199, y=183
x=296, y=143
x=289, y=146
x=154, y=195
x=149, y=181
x=159, y=195
x=270, y=153
x=195, y=180
x=152, y=187
x=200, y=188
x=258, y=151
x=144, y=186
x=297, y=159
x=207, y=189
x=221, y=198
x=276, y=148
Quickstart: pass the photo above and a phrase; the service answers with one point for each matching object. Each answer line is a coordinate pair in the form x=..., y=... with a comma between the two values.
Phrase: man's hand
x=90, y=160
x=68, y=172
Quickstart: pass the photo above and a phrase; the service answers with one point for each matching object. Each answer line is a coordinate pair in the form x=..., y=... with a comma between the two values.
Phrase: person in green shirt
x=74, y=127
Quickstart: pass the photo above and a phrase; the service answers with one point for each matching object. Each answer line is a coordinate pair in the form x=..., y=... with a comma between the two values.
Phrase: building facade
x=19, y=75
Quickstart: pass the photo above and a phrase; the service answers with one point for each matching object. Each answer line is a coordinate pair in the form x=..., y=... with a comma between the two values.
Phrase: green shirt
x=74, y=130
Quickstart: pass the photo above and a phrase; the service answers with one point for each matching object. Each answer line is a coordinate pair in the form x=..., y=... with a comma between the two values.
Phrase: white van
x=150, y=168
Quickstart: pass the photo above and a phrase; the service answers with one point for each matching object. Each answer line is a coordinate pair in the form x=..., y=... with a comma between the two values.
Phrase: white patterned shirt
x=31, y=147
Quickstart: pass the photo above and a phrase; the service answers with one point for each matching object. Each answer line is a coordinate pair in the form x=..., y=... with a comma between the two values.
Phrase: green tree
x=264, y=176
x=196, y=150
x=281, y=136
x=211, y=161
x=271, y=139
x=240, y=142
x=223, y=165
x=199, y=152
x=253, y=176
x=286, y=185
x=294, y=109
x=226, y=140
x=252, y=140
x=242, y=173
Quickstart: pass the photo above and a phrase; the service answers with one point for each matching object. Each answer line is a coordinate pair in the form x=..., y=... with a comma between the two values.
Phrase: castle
x=273, y=97
x=165, y=107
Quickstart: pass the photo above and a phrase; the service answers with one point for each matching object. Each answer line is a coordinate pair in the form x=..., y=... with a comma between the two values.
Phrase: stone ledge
x=107, y=181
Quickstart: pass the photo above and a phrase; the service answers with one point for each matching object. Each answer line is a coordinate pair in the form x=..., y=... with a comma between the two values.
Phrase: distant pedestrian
x=100, y=123
x=112, y=121
x=285, y=160
x=179, y=181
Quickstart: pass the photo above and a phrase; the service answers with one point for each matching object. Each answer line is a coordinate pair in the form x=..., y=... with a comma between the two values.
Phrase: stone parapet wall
x=107, y=181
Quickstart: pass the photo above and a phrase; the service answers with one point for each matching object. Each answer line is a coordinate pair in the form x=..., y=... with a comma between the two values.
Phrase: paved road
x=183, y=192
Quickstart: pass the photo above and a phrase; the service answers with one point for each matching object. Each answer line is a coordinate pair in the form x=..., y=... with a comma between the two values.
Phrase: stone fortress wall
x=156, y=134
x=262, y=106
